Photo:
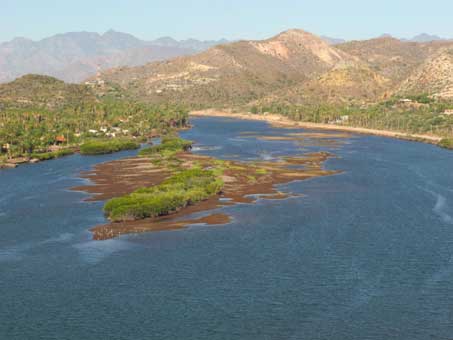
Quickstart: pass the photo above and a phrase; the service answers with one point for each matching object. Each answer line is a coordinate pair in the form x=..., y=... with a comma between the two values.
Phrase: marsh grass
x=446, y=143
x=105, y=146
x=52, y=155
x=184, y=188
x=168, y=147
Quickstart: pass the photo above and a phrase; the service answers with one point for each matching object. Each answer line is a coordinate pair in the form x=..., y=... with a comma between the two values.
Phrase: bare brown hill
x=433, y=77
x=392, y=58
x=352, y=83
x=235, y=73
x=294, y=67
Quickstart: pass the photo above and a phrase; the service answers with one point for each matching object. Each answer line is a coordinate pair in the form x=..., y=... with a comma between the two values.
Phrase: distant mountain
x=333, y=41
x=191, y=44
x=423, y=38
x=76, y=56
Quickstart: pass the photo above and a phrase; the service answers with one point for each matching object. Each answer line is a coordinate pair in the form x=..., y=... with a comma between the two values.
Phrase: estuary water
x=364, y=254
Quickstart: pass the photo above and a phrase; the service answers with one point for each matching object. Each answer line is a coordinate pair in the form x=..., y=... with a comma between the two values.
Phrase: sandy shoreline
x=281, y=121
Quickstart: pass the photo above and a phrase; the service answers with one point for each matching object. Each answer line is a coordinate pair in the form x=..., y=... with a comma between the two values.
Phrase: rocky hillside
x=434, y=76
x=235, y=73
x=76, y=56
x=344, y=84
x=390, y=57
x=294, y=66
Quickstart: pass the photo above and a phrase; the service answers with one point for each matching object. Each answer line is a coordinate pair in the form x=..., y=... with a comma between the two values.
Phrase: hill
x=234, y=73
x=75, y=56
x=353, y=83
x=294, y=67
x=43, y=92
x=433, y=77
x=425, y=37
x=390, y=57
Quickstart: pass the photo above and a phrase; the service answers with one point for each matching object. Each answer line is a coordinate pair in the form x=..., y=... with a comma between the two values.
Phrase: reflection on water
x=92, y=252
x=366, y=254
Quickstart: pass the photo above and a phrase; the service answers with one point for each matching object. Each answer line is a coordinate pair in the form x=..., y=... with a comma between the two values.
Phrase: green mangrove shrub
x=446, y=143
x=169, y=144
x=51, y=155
x=99, y=147
x=180, y=190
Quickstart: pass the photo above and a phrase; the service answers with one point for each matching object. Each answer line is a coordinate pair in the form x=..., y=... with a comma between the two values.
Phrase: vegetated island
x=166, y=183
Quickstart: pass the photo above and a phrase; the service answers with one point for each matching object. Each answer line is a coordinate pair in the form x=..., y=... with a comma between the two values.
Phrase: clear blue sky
x=232, y=19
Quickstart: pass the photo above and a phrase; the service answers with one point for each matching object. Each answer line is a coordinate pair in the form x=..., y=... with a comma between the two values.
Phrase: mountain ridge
x=235, y=72
x=75, y=56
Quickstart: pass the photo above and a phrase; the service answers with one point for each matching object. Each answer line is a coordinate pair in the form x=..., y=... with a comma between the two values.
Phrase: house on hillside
x=60, y=140
x=410, y=104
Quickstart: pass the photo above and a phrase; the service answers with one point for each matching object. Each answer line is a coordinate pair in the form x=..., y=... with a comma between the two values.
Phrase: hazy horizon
x=232, y=20
x=223, y=38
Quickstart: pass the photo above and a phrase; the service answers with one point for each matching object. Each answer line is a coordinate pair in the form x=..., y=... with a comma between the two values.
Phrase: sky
x=230, y=19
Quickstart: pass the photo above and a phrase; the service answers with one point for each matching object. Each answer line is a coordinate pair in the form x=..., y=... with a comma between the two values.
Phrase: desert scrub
x=104, y=146
x=180, y=190
x=51, y=155
x=169, y=146
x=446, y=143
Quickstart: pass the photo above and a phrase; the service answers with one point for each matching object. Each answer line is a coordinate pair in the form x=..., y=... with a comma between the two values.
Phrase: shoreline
x=13, y=163
x=284, y=122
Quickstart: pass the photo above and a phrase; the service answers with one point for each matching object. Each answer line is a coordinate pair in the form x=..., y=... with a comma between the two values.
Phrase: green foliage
x=422, y=98
x=424, y=117
x=51, y=155
x=182, y=189
x=34, y=130
x=446, y=143
x=169, y=146
x=99, y=147
x=35, y=110
x=44, y=92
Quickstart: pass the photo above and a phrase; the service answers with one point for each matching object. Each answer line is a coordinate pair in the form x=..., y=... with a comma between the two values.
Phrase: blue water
x=366, y=254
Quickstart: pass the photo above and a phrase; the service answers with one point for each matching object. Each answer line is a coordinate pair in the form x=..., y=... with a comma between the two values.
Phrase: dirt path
x=281, y=121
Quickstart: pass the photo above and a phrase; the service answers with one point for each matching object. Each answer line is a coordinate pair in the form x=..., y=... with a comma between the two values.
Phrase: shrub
x=182, y=189
x=51, y=155
x=168, y=145
x=446, y=143
x=99, y=147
